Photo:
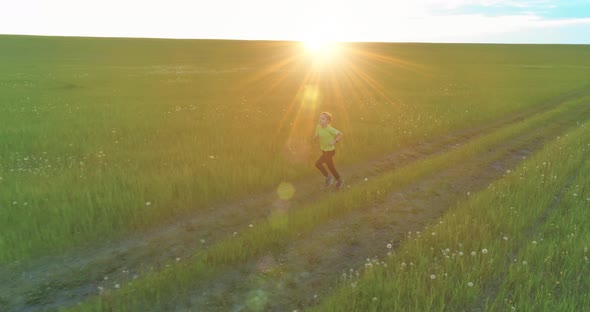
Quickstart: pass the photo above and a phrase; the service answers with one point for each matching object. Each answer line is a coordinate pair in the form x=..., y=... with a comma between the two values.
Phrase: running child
x=328, y=136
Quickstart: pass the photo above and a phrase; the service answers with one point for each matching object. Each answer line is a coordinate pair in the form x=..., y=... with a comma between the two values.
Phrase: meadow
x=520, y=245
x=104, y=138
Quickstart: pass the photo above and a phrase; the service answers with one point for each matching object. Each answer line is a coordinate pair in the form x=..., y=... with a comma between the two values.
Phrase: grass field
x=105, y=138
x=520, y=245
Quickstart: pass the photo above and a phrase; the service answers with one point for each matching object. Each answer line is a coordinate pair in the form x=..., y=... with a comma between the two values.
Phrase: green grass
x=520, y=245
x=94, y=129
x=156, y=289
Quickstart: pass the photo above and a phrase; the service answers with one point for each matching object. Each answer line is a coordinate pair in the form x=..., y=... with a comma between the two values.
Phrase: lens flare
x=285, y=191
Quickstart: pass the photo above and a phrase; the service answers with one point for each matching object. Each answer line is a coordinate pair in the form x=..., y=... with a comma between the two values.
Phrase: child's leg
x=330, y=164
x=320, y=164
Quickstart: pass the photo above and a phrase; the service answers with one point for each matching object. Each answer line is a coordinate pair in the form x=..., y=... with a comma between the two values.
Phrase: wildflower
x=505, y=238
x=524, y=262
x=484, y=251
x=473, y=253
x=432, y=276
x=534, y=242
x=470, y=284
x=460, y=253
x=148, y=203
x=250, y=226
x=117, y=286
x=389, y=246
x=403, y=264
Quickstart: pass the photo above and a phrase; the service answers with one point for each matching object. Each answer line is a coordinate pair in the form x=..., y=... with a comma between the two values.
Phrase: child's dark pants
x=327, y=159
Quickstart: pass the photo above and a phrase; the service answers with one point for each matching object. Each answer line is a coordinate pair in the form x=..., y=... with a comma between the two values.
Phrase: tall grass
x=520, y=245
x=102, y=137
x=282, y=227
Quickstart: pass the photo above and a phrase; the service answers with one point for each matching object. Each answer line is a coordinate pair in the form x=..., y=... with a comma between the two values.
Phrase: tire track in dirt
x=299, y=276
x=64, y=280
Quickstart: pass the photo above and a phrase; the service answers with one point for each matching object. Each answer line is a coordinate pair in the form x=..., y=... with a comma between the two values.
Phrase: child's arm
x=337, y=138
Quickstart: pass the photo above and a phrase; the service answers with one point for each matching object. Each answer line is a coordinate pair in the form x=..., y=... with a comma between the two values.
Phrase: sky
x=478, y=21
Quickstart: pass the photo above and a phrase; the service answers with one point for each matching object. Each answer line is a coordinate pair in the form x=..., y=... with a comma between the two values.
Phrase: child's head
x=325, y=118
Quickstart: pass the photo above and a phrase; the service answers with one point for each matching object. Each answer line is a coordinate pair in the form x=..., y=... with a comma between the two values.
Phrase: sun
x=321, y=48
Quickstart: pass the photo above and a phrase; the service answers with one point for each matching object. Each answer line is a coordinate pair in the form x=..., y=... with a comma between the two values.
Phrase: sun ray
x=357, y=75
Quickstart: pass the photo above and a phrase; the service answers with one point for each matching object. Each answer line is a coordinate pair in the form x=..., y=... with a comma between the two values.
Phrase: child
x=328, y=136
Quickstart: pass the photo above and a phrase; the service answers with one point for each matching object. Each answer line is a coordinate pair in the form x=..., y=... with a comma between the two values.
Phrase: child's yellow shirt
x=326, y=135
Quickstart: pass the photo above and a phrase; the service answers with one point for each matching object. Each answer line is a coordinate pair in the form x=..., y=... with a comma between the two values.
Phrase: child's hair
x=328, y=115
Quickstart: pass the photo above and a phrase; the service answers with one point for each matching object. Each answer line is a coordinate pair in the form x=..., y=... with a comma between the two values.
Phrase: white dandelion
x=432, y=276
x=470, y=284
x=484, y=251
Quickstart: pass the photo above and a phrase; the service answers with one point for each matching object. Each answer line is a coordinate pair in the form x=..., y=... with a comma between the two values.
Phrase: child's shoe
x=339, y=183
x=329, y=181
